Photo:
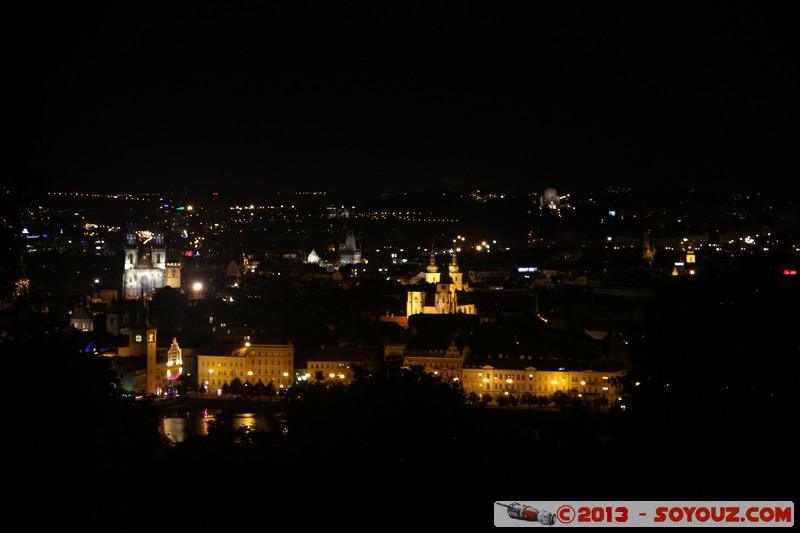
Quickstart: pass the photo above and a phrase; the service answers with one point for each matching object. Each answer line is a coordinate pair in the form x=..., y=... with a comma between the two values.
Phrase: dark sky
x=263, y=96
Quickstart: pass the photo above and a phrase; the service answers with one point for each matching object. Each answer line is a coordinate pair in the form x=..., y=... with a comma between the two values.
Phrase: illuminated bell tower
x=432, y=274
x=416, y=299
x=131, y=249
x=445, y=300
x=174, y=363
x=455, y=275
x=648, y=248
x=158, y=251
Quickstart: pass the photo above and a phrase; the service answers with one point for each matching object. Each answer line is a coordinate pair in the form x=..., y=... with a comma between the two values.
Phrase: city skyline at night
x=444, y=253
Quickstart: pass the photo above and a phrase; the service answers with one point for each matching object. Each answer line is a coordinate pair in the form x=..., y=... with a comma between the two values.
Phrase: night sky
x=398, y=96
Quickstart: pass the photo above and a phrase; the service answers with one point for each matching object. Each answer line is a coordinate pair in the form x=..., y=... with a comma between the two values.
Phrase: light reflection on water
x=176, y=426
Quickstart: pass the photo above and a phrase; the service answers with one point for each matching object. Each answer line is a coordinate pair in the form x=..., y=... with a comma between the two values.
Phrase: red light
x=787, y=272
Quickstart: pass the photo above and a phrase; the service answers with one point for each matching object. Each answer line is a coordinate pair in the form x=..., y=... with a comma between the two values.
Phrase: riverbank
x=180, y=404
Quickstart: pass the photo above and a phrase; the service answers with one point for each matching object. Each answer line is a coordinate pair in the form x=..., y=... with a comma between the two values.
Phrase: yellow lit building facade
x=584, y=383
x=173, y=366
x=507, y=376
x=335, y=364
x=495, y=381
x=444, y=363
x=250, y=363
x=331, y=371
x=503, y=376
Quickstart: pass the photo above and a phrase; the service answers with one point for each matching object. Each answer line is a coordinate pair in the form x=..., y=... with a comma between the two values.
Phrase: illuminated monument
x=550, y=199
x=146, y=266
x=440, y=291
x=349, y=254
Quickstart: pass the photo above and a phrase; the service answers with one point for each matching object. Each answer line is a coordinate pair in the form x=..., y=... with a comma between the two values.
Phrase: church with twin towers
x=147, y=267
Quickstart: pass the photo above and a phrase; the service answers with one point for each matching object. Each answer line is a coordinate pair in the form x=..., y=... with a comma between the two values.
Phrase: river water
x=177, y=426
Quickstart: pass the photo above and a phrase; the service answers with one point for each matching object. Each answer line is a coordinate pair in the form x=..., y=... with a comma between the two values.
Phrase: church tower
x=455, y=275
x=174, y=362
x=142, y=342
x=648, y=247
x=349, y=254
x=131, y=249
x=158, y=251
x=432, y=274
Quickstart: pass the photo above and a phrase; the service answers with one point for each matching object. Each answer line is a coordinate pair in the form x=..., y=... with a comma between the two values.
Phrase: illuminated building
x=146, y=266
x=444, y=363
x=142, y=344
x=550, y=199
x=498, y=379
x=510, y=375
x=517, y=375
x=440, y=291
x=81, y=320
x=348, y=253
x=648, y=247
x=153, y=370
x=250, y=363
x=335, y=364
x=173, y=364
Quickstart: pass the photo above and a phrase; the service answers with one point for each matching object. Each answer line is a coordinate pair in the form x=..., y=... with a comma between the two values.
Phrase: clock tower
x=142, y=341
